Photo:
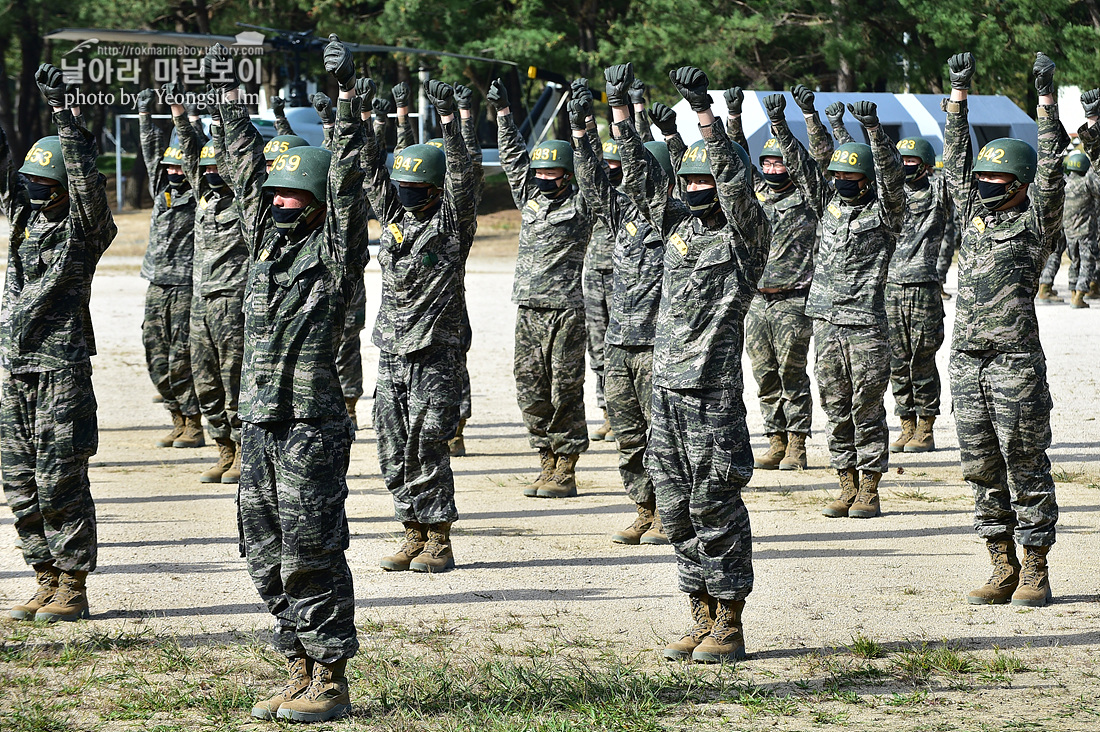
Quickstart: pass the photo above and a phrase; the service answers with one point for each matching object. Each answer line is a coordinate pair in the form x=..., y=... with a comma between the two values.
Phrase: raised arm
x=665, y=119
x=376, y=182
x=801, y=166
x=152, y=142
x=282, y=124
x=513, y=152
x=735, y=98
x=889, y=173
x=1089, y=132
x=346, y=212
x=459, y=188
x=406, y=133
x=190, y=143
x=11, y=188
x=1050, y=183
x=958, y=156
x=595, y=188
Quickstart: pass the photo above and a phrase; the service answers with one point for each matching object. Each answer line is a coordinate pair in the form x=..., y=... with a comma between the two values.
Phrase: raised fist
x=619, y=79
x=1044, y=74
x=637, y=92
x=734, y=99
x=146, y=98
x=402, y=94
x=442, y=97
x=866, y=113
x=804, y=98
x=464, y=97
x=498, y=95
x=692, y=84
x=278, y=106
x=665, y=119
x=323, y=105
x=52, y=84
x=1090, y=102
x=579, y=112
x=774, y=106
x=365, y=89
x=217, y=68
x=338, y=62
x=173, y=92
x=961, y=66
x=579, y=88
x=383, y=107
x=835, y=113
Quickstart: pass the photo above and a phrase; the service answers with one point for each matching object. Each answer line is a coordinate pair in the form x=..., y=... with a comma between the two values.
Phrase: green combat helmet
x=771, y=150
x=280, y=144
x=611, y=152
x=659, y=150
x=206, y=155
x=1008, y=155
x=173, y=154
x=1077, y=162
x=304, y=168
x=696, y=160
x=853, y=157
x=424, y=163
x=435, y=142
x=552, y=154
x=44, y=160
x=918, y=147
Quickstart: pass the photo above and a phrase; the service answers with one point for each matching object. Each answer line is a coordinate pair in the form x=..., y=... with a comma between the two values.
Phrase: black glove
x=619, y=78
x=173, y=92
x=216, y=60
x=1044, y=74
x=961, y=66
x=665, y=119
x=637, y=92
x=52, y=84
x=866, y=113
x=365, y=89
x=804, y=98
x=1090, y=101
x=323, y=105
x=402, y=94
x=692, y=85
x=464, y=97
x=442, y=97
x=579, y=89
x=146, y=100
x=338, y=62
x=579, y=112
x=835, y=113
x=383, y=107
x=498, y=95
x=278, y=105
x=734, y=99
x=195, y=109
x=774, y=104
x=211, y=100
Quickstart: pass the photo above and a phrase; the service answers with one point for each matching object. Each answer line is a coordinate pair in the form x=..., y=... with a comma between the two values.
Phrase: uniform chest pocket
x=714, y=266
x=226, y=219
x=1013, y=246
x=561, y=216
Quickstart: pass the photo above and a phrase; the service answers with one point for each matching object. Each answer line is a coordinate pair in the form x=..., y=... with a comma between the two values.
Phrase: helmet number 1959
x=289, y=163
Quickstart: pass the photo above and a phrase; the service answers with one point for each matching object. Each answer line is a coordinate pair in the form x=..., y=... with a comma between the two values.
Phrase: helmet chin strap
x=307, y=211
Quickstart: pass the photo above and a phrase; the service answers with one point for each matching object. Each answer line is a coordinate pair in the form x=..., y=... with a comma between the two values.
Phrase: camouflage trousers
x=217, y=352
x=1002, y=414
x=596, y=286
x=549, y=371
x=1082, y=264
x=852, y=367
x=349, y=355
x=166, y=332
x=914, y=326
x=465, y=389
x=1054, y=261
x=415, y=413
x=294, y=532
x=777, y=339
x=48, y=430
x=699, y=459
x=628, y=386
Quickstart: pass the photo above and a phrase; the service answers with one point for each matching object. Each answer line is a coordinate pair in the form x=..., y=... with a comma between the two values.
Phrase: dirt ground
x=169, y=557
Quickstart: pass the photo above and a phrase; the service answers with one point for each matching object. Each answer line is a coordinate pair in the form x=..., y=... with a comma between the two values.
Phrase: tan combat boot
x=1034, y=587
x=300, y=675
x=436, y=555
x=548, y=460
x=656, y=533
x=867, y=501
x=1077, y=300
x=1006, y=575
x=704, y=609
x=1048, y=295
x=908, y=429
x=795, y=456
x=563, y=484
x=633, y=534
x=326, y=698
x=227, y=453
x=456, y=446
x=350, y=403
x=416, y=537
x=944, y=294
x=726, y=640
x=777, y=450
x=233, y=475
x=70, y=602
x=923, y=439
x=177, y=430
x=848, y=490
x=192, y=435
x=604, y=431
x=46, y=575
x=1094, y=291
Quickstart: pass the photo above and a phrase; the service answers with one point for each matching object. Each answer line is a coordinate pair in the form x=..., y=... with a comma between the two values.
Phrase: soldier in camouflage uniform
x=950, y=242
x=304, y=224
x=428, y=223
x=777, y=329
x=550, y=334
x=861, y=216
x=167, y=266
x=1080, y=223
x=998, y=370
x=1090, y=100
x=60, y=227
x=638, y=254
x=698, y=456
x=914, y=306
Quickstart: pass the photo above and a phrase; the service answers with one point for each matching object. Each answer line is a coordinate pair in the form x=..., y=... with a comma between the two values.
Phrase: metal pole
x=118, y=163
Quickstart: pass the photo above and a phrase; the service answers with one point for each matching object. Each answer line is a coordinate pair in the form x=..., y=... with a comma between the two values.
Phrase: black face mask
x=701, y=202
x=415, y=199
x=176, y=179
x=286, y=218
x=549, y=186
x=41, y=194
x=615, y=175
x=994, y=195
x=776, y=180
x=849, y=190
x=214, y=179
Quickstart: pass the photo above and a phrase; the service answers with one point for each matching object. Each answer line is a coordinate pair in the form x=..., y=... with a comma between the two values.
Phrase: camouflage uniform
x=1080, y=223
x=550, y=332
x=638, y=252
x=420, y=332
x=296, y=432
x=167, y=266
x=218, y=278
x=846, y=300
x=777, y=329
x=596, y=286
x=1053, y=261
x=950, y=242
x=998, y=370
x=1090, y=137
x=699, y=456
x=48, y=428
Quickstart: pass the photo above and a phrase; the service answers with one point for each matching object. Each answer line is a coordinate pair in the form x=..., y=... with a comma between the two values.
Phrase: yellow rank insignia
x=834, y=210
x=979, y=224
x=761, y=197
x=264, y=255
x=168, y=199
x=396, y=231
x=533, y=205
x=631, y=228
x=681, y=245
x=203, y=203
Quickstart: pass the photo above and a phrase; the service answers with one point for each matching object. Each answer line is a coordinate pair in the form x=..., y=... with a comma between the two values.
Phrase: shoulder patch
x=395, y=231
x=631, y=228
x=834, y=210
x=761, y=197
x=533, y=205
x=168, y=199
x=979, y=224
x=203, y=203
x=679, y=243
